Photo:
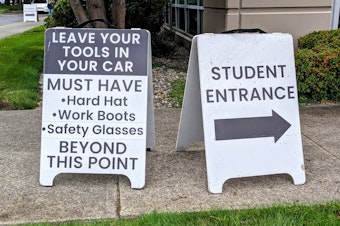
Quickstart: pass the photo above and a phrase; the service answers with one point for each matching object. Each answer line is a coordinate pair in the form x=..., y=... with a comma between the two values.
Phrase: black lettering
x=259, y=71
x=61, y=161
x=226, y=72
x=215, y=71
x=119, y=116
x=240, y=75
x=249, y=74
x=83, y=146
x=63, y=146
x=95, y=147
x=110, y=148
x=243, y=94
x=132, y=117
x=221, y=95
x=103, y=85
x=232, y=94
x=140, y=131
x=115, y=85
x=106, y=163
x=138, y=86
x=277, y=93
x=266, y=93
x=78, y=162
x=121, y=163
x=52, y=86
x=133, y=162
x=118, y=130
x=290, y=92
x=78, y=84
x=255, y=95
x=209, y=95
x=51, y=157
x=92, y=161
x=282, y=70
x=269, y=71
x=125, y=131
x=120, y=148
x=132, y=131
x=67, y=86
x=127, y=88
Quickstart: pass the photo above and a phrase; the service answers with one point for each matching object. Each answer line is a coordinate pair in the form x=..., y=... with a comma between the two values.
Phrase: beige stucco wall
x=297, y=17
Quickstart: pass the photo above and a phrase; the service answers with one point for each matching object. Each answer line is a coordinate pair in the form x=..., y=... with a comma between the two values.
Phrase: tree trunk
x=97, y=10
x=79, y=12
x=118, y=13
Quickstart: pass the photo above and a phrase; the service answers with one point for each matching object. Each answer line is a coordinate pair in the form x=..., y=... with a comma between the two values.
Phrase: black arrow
x=242, y=128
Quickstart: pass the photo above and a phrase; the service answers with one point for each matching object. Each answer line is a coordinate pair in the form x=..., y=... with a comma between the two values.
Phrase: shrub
x=149, y=14
x=62, y=16
x=146, y=14
x=318, y=67
x=163, y=43
x=320, y=38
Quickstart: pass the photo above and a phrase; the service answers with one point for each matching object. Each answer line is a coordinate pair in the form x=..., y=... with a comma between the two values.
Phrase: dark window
x=187, y=15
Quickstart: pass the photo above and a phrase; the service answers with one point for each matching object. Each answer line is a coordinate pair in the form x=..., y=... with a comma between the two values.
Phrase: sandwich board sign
x=97, y=114
x=241, y=100
x=30, y=13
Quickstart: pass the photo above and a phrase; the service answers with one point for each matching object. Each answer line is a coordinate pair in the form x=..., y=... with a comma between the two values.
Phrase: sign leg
x=47, y=179
x=137, y=182
x=299, y=177
x=190, y=128
x=215, y=184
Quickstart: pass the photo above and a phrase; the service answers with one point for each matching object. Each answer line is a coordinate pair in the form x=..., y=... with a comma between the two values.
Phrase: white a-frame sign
x=241, y=100
x=97, y=114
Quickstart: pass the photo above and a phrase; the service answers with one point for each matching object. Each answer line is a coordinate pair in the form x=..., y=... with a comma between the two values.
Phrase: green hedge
x=318, y=67
x=320, y=38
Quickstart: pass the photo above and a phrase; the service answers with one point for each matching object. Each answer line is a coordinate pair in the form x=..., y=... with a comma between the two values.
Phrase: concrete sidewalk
x=15, y=28
x=175, y=181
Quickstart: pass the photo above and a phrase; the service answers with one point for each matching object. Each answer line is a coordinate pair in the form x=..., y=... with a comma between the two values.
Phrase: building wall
x=297, y=17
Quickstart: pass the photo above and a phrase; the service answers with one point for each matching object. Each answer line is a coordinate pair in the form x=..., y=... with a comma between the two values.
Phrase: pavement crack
x=118, y=198
x=320, y=146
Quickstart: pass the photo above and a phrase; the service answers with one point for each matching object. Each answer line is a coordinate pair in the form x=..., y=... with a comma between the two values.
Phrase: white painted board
x=97, y=107
x=30, y=13
x=249, y=106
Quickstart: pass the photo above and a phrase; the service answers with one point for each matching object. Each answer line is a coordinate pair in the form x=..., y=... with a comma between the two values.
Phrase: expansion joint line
x=118, y=198
x=323, y=148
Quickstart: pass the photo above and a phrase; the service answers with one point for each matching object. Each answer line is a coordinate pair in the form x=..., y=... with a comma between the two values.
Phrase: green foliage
x=145, y=14
x=177, y=91
x=149, y=15
x=163, y=43
x=8, y=8
x=21, y=62
x=62, y=16
x=318, y=67
x=319, y=39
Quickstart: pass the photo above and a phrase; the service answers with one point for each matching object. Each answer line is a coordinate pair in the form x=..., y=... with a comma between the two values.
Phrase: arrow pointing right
x=257, y=127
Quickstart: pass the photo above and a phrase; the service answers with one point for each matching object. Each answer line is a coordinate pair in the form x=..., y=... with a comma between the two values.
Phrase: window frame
x=177, y=6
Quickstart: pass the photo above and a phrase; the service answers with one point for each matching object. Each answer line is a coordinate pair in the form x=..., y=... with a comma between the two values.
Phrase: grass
x=318, y=214
x=177, y=91
x=8, y=8
x=21, y=63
